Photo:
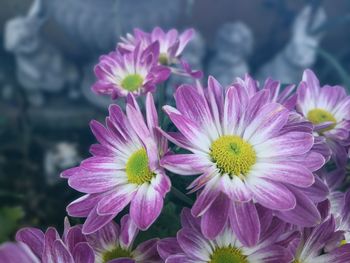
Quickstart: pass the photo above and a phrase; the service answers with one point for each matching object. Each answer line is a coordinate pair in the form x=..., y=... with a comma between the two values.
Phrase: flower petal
x=272, y=195
x=245, y=223
x=95, y=222
x=215, y=218
x=33, y=238
x=105, y=237
x=146, y=206
x=184, y=164
x=304, y=214
x=83, y=253
x=128, y=233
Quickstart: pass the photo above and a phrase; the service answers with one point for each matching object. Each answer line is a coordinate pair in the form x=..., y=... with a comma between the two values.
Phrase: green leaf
x=10, y=218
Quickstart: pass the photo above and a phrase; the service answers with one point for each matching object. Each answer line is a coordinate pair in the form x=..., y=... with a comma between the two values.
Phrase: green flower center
x=297, y=261
x=137, y=168
x=233, y=155
x=343, y=242
x=116, y=252
x=317, y=116
x=228, y=255
x=132, y=82
x=163, y=59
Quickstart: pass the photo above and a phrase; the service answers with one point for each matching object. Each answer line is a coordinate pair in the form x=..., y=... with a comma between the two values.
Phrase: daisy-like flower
x=35, y=246
x=114, y=244
x=245, y=150
x=328, y=108
x=191, y=246
x=321, y=244
x=136, y=72
x=124, y=169
x=171, y=43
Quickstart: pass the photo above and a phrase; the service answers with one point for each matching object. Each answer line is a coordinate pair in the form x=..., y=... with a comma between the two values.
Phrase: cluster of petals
x=136, y=72
x=34, y=246
x=280, y=175
x=322, y=243
x=171, y=43
x=112, y=244
x=141, y=62
x=328, y=108
x=190, y=245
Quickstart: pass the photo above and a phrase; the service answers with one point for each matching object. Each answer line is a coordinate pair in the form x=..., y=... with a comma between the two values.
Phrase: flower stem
x=181, y=196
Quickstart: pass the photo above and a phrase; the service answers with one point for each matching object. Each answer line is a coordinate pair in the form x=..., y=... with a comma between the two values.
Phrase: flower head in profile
x=328, y=108
x=285, y=96
x=124, y=169
x=245, y=150
x=322, y=243
x=35, y=246
x=136, y=72
x=191, y=245
x=171, y=43
x=114, y=243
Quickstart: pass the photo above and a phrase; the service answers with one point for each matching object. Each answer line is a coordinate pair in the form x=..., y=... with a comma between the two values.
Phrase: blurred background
x=48, y=49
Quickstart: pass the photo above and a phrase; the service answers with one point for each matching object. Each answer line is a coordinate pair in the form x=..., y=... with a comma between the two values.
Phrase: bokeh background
x=48, y=50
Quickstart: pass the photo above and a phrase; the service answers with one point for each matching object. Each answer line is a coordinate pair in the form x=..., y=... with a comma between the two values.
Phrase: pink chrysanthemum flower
x=191, y=246
x=34, y=246
x=124, y=169
x=328, y=108
x=245, y=149
x=114, y=244
x=171, y=43
x=136, y=72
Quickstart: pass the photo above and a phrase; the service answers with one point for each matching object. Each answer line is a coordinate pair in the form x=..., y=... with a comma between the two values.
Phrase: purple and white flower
x=321, y=244
x=124, y=169
x=328, y=108
x=191, y=246
x=35, y=246
x=114, y=244
x=136, y=72
x=246, y=150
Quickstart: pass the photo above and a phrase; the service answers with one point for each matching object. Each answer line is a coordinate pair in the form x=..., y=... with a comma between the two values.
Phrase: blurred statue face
x=235, y=38
x=21, y=35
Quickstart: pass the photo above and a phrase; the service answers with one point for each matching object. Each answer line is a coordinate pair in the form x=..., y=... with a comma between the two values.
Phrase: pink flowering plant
x=239, y=174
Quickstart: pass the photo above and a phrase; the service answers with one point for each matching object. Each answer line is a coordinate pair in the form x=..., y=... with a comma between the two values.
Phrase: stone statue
x=300, y=53
x=40, y=66
x=233, y=45
x=61, y=156
x=95, y=28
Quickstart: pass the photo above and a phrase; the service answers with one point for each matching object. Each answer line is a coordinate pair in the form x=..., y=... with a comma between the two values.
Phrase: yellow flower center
x=132, y=82
x=137, y=168
x=233, y=155
x=297, y=261
x=163, y=59
x=228, y=255
x=318, y=116
x=114, y=253
x=343, y=242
